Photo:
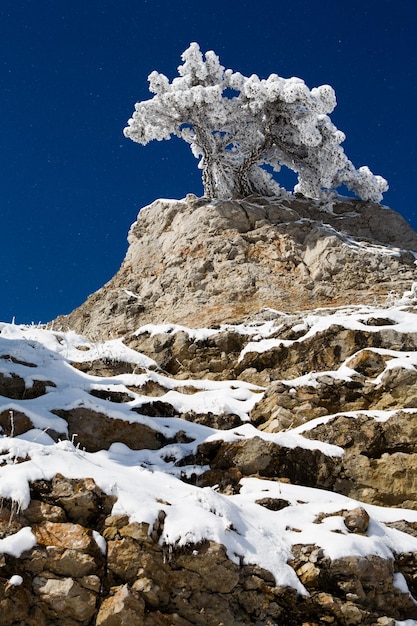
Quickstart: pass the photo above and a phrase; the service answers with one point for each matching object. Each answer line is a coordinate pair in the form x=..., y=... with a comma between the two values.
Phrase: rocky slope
x=248, y=457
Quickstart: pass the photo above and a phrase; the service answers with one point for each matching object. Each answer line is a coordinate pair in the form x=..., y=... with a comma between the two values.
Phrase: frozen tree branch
x=237, y=125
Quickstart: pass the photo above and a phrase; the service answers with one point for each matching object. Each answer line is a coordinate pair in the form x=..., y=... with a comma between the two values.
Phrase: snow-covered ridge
x=370, y=319
x=141, y=479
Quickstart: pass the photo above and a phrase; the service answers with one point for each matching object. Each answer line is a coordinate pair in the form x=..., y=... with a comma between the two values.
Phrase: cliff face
x=246, y=454
x=199, y=263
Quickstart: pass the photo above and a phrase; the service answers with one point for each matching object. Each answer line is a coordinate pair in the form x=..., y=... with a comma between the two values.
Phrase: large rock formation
x=198, y=263
x=261, y=471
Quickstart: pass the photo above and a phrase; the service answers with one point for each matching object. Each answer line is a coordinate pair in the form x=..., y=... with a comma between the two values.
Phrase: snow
x=285, y=439
x=263, y=346
x=260, y=329
x=100, y=541
x=146, y=481
x=351, y=318
x=400, y=582
x=18, y=543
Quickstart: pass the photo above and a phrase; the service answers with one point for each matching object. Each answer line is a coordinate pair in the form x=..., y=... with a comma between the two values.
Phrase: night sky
x=71, y=71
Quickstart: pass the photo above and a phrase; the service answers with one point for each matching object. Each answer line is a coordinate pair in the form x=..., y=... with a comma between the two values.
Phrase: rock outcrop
x=68, y=579
x=247, y=454
x=199, y=263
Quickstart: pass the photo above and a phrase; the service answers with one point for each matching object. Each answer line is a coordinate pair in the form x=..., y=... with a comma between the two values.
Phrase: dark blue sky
x=71, y=71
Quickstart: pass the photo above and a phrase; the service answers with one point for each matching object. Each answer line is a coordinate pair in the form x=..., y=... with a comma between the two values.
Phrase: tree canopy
x=243, y=129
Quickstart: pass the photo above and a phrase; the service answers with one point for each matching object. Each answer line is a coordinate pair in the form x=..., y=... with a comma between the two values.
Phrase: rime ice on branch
x=237, y=125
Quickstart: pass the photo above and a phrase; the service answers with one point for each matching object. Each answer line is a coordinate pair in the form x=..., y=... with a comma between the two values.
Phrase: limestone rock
x=357, y=520
x=200, y=263
x=256, y=456
x=380, y=463
x=211, y=556
x=122, y=608
x=65, y=597
x=39, y=511
x=65, y=535
x=79, y=498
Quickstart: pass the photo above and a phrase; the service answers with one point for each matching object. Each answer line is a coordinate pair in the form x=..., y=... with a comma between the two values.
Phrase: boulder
x=199, y=263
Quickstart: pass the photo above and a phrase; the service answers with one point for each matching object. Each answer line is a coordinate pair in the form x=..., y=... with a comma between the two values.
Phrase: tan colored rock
x=309, y=575
x=150, y=591
x=39, y=511
x=397, y=389
x=388, y=481
x=65, y=535
x=374, y=576
x=71, y=563
x=357, y=520
x=367, y=363
x=136, y=530
x=122, y=608
x=256, y=456
x=283, y=406
x=124, y=558
x=66, y=598
x=82, y=500
x=324, y=350
x=199, y=263
x=380, y=462
x=351, y=614
x=79, y=498
x=385, y=621
x=209, y=558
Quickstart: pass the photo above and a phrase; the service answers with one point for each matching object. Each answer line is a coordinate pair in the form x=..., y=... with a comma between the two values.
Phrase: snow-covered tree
x=237, y=125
